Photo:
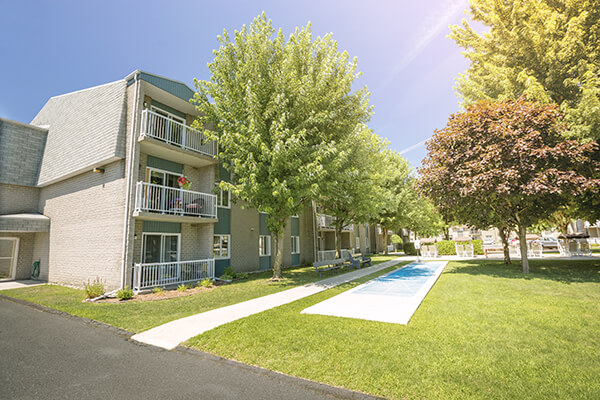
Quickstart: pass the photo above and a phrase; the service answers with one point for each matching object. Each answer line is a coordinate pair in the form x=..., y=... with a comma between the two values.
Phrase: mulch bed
x=165, y=294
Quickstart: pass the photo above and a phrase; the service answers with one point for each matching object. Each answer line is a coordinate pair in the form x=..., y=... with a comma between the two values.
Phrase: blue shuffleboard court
x=393, y=297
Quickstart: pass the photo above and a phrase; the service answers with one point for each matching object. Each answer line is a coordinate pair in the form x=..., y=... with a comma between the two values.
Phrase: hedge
x=446, y=247
x=409, y=249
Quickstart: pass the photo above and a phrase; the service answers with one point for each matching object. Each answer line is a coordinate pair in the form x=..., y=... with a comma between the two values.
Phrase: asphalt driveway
x=52, y=356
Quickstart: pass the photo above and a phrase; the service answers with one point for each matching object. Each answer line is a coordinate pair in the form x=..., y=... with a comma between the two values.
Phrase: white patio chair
x=584, y=248
x=573, y=248
x=460, y=249
x=469, y=251
x=562, y=248
x=535, y=249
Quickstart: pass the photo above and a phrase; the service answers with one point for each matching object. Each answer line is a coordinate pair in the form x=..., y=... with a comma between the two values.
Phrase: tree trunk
x=523, y=245
x=504, y=237
x=385, y=240
x=338, y=240
x=278, y=256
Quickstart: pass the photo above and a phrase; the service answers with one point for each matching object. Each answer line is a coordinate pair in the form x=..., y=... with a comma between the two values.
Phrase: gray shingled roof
x=21, y=150
x=86, y=129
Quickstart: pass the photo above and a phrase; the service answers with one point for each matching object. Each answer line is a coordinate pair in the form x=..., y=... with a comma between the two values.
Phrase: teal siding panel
x=168, y=109
x=223, y=226
x=220, y=266
x=223, y=173
x=175, y=88
x=265, y=263
x=262, y=228
x=167, y=165
x=295, y=260
x=161, y=227
x=295, y=226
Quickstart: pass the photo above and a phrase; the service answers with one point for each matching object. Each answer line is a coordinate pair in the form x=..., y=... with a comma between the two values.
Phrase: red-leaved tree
x=506, y=164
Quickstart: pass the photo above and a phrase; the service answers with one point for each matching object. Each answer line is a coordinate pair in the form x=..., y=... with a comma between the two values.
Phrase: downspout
x=315, y=236
x=129, y=185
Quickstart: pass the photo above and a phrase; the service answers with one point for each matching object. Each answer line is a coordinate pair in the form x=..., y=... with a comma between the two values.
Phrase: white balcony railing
x=150, y=275
x=325, y=221
x=330, y=254
x=172, y=132
x=174, y=201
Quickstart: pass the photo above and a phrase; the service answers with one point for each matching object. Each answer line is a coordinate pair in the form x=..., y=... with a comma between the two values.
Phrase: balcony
x=149, y=275
x=162, y=203
x=327, y=222
x=175, y=141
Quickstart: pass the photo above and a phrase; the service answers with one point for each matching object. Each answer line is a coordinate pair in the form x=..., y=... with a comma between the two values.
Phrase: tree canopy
x=506, y=163
x=280, y=108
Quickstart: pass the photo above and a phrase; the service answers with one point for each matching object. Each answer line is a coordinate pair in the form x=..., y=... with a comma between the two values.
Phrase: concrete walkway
x=169, y=335
x=5, y=285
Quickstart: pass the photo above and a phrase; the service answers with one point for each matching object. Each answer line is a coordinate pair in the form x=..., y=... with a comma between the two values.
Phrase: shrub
x=446, y=248
x=226, y=277
x=242, y=275
x=229, y=272
x=94, y=289
x=125, y=294
x=205, y=283
x=409, y=249
x=157, y=289
x=478, y=247
x=182, y=288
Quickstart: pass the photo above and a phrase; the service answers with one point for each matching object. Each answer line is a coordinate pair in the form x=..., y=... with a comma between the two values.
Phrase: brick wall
x=86, y=231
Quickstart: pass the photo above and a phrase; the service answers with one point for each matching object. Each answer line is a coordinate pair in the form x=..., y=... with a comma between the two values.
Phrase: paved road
x=50, y=356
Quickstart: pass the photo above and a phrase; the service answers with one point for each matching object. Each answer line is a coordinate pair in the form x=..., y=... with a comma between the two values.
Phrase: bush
x=182, y=288
x=125, y=294
x=242, y=275
x=478, y=247
x=446, y=248
x=94, y=289
x=409, y=249
x=205, y=283
x=229, y=272
x=157, y=289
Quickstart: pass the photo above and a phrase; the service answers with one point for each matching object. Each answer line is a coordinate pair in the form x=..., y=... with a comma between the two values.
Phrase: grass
x=484, y=331
x=140, y=316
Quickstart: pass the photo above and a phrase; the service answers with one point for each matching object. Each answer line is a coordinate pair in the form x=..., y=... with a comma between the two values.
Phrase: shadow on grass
x=565, y=271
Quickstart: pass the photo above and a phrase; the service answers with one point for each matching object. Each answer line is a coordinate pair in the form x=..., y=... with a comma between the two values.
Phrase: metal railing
x=174, y=201
x=325, y=221
x=175, y=133
x=323, y=255
x=150, y=275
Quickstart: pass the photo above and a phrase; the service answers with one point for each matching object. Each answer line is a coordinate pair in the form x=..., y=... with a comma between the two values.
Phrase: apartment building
x=112, y=182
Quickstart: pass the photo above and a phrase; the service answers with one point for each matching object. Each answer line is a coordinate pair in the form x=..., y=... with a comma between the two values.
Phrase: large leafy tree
x=548, y=50
x=350, y=189
x=507, y=158
x=279, y=109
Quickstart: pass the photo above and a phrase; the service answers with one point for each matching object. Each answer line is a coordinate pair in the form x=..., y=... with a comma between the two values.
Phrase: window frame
x=296, y=243
x=162, y=244
x=261, y=241
x=221, y=236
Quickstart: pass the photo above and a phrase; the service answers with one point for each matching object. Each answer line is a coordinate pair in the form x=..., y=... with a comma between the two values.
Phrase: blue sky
x=54, y=47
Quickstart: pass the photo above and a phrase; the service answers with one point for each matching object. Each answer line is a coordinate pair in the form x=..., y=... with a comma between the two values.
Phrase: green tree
x=279, y=109
x=508, y=163
x=350, y=189
x=548, y=50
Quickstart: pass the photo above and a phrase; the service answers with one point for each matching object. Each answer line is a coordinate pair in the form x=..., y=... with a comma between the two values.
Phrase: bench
x=357, y=263
x=331, y=265
x=487, y=250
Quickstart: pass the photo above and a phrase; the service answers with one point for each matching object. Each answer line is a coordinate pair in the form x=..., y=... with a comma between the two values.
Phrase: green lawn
x=140, y=316
x=484, y=331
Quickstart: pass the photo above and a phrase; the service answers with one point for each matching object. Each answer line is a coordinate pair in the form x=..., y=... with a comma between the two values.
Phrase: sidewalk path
x=5, y=285
x=169, y=335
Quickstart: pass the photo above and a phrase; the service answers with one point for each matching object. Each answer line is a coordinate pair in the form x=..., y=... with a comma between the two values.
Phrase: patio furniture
x=535, y=249
x=460, y=249
x=331, y=265
x=468, y=250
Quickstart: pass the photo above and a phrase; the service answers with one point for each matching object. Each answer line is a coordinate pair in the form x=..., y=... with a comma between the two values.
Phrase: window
x=221, y=246
x=295, y=244
x=224, y=198
x=264, y=245
x=160, y=247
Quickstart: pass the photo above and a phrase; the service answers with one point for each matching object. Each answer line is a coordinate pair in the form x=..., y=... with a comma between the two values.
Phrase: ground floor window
x=295, y=244
x=160, y=247
x=9, y=248
x=221, y=246
x=264, y=245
